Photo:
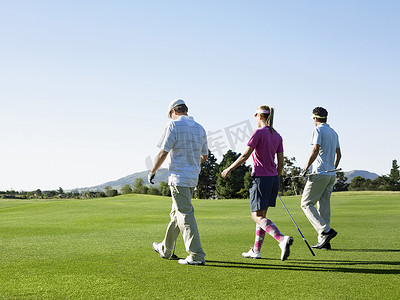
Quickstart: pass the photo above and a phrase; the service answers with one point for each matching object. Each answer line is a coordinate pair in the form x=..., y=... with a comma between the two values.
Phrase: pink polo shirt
x=265, y=145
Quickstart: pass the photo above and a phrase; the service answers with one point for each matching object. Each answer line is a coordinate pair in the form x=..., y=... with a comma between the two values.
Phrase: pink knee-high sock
x=260, y=234
x=271, y=229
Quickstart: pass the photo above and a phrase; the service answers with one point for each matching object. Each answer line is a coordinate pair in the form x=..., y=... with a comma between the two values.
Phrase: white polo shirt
x=328, y=140
x=186, y=141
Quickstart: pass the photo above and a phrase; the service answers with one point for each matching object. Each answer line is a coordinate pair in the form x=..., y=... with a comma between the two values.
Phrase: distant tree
x=394, y=172
x=60, y=190
x=394, y=176
x=101, y=194
x=144, y=190
x=92, y=194
x=165, y=190
x=138, y=183
x=154, y=191
x=49, y=194
x=139, y=187
x=230, y=187
x=295, y=185
x=38, y=193
x=207, y=178
x=341, y=182
x=358, y=183
x=389, y=182
x=244, y=191
x=111, y=192
x=74, y=194
x=126, y=189
x=382, y=183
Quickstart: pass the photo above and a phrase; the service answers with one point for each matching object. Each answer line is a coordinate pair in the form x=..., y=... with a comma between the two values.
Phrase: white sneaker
x=285, y=247
x=187, y=261
x=251, y=254
x=157, y=249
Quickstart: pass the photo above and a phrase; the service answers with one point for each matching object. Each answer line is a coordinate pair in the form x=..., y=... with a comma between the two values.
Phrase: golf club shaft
x=329, y=171
x=312, y=252
x=173, y=251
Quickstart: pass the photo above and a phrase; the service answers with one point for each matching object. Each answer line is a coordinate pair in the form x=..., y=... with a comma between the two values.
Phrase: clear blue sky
x=85, y=85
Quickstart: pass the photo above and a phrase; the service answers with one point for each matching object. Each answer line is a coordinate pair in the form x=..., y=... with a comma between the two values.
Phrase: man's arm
x=280, y=162
x=338, y=156
x=203, y=158
x=313, y=156
x=160, y=158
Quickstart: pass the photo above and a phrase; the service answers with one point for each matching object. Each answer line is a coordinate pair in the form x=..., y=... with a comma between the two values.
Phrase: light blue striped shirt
x=186, y=141
x=328, y=140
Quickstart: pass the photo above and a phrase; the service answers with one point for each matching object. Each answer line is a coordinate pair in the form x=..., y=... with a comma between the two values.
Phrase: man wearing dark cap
x=325, y=156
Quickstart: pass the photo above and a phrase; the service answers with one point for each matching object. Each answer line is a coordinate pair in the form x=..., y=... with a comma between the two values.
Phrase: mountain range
x=162, y=175
x=365, y=174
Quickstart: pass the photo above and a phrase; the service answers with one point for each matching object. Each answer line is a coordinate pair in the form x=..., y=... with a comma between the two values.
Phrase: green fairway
x=102, y=248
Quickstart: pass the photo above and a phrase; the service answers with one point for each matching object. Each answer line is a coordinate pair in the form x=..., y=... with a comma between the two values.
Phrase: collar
x=185, y=117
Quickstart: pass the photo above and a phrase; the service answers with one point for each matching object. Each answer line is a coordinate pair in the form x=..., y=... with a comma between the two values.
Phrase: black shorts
x=263, y=192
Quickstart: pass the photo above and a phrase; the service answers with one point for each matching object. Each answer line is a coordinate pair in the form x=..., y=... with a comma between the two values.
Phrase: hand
x=225, y=173
x=150, y=177
x=287, y=181
x=303, y=173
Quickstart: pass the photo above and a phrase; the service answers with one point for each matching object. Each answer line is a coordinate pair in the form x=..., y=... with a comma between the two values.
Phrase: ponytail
x=270, y=120
x=269, y=117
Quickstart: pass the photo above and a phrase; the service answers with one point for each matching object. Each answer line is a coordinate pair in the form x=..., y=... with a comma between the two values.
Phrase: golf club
x=304, y=239
x=173, y=256
x=286, y=181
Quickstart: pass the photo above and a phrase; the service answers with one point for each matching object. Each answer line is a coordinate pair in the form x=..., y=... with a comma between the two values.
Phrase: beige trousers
x=317, y=192
x=183, y=221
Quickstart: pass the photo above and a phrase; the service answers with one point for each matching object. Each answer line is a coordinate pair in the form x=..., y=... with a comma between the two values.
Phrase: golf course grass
x=102, y=249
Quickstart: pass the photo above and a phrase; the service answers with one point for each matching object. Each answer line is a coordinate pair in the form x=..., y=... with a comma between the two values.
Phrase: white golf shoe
x=157, y=249
x=285, y=247
x=188, y=261
x=251, y=254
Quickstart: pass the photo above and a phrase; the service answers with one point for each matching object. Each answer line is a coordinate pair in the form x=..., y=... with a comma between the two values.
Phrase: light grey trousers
x=183, y=221
x=317, y=192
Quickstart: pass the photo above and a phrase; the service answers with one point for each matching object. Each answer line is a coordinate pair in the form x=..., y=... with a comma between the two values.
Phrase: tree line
x=212, y=186
x=51, y=194
x=390, y=182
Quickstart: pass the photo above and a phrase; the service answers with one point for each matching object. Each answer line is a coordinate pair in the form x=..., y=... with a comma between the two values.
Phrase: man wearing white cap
x=325, y=156
x=186, y=141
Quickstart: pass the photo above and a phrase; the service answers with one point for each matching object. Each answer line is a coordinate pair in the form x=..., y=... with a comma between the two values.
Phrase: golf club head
x=287, y=181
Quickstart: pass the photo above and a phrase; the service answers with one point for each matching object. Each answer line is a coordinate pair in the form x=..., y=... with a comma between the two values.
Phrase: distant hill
x=161, y=175
x=365, y=174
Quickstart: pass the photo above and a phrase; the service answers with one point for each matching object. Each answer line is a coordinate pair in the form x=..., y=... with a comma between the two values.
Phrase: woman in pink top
x=263, y=146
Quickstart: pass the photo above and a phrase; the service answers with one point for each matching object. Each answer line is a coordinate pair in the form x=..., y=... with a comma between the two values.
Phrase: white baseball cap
x=174, y=104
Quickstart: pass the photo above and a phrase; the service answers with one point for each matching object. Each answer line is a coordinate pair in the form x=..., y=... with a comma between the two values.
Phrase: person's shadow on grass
x=340, y=266
x=366, y=250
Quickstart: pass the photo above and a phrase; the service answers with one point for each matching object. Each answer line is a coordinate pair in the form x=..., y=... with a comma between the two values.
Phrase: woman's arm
x=241, y=160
